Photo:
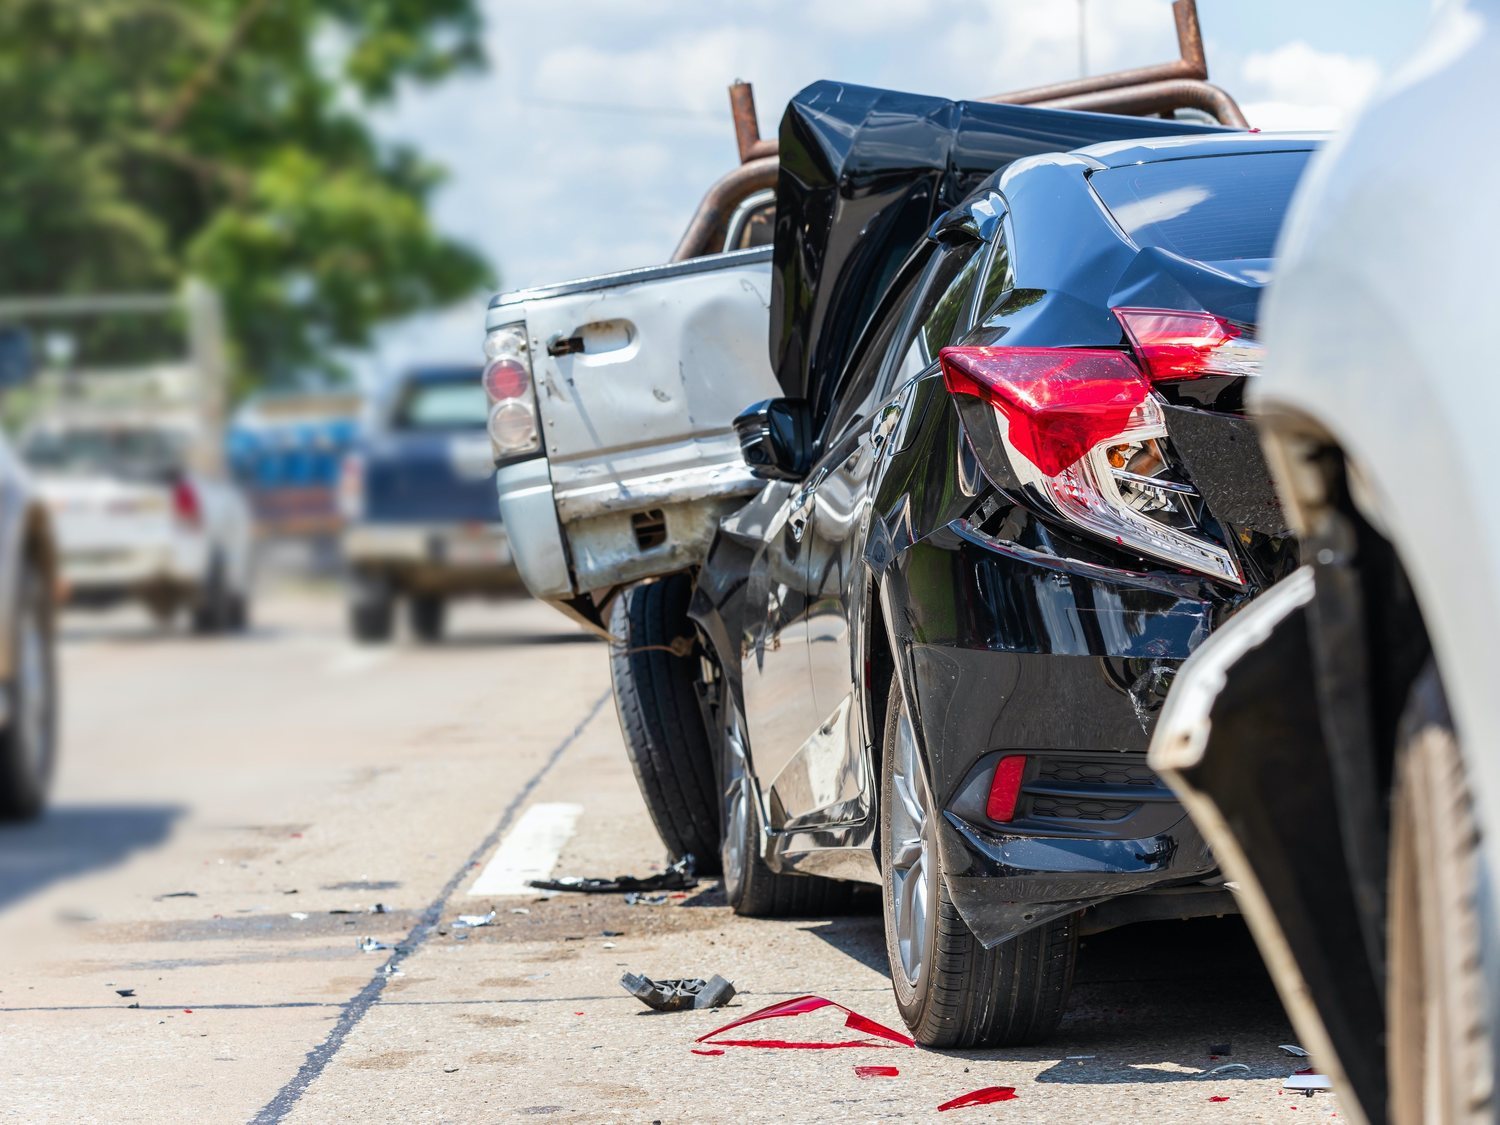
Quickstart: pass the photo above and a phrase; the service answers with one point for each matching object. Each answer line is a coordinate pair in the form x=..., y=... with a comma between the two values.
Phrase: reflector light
x=1173, y=345
x=1005, y=790
x=506, y=378
x=1058, y=402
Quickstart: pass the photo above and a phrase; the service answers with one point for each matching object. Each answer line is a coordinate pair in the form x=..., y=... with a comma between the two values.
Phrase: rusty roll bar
x=1180, y=84
x=705, y=234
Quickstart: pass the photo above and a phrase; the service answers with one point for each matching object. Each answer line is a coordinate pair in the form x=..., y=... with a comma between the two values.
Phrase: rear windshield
x=113, y=451
x=1211, y=208
x=447, y=404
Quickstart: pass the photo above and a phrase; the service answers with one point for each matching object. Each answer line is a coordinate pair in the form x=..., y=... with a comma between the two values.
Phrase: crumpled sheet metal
x=679, y=877
x=875, y=1034
x=678, y=995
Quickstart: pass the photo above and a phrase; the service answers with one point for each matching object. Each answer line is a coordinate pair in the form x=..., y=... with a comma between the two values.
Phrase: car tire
x=428, y=614
x=28, y=742
x=211, y=613
x=951, y=991
x=372, y=608
x=1438, y=1048
x=657, y=701
x=239, y=613
x=752, y=888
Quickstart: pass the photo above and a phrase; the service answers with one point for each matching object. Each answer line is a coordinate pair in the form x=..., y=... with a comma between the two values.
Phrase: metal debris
x=678, y=995
x=678, y=877
x=474, y=920
x=1293, y=1050
x=1308, y=1084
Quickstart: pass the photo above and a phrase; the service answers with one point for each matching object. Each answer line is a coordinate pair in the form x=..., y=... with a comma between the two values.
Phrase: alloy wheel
x=909, y=854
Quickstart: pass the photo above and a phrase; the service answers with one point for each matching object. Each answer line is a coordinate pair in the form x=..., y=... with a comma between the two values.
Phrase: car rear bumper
x=103, y=573
x=433, y=556
x=1067, y=664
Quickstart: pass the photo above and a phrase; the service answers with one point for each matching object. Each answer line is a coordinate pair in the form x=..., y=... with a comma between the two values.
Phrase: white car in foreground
x=135, y=521
x=1337, y=740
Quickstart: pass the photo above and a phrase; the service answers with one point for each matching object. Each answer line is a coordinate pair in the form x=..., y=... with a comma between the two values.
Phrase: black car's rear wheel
x=1439, y=1042
x=951, y=991
x=28, y=742
x=653, y=675
x=752, y=888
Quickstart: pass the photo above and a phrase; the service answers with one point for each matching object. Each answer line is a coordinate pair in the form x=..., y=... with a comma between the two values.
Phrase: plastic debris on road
x=1227, y=1068
x=1309, y=1084
x=678, y=995
x=124, y=992
x=178, y=894
x=1217, y=1049
x=634, y=899
x=299, y=915
x=876, y=1072
x=1219, y=1098
x=986, y=1096
x=679, y=877
x=473, y=921
x=1292, y=1049
x=370, y=945
x=711, y=1051
x=876, y=1034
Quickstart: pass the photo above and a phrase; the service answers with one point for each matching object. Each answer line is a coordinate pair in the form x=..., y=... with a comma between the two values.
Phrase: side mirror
x=776, y=438
x=17, y=360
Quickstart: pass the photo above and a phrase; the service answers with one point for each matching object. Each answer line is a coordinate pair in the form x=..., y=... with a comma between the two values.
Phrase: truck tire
x=428, y=613
x=28, y=743
x=661, y=720
x=372, y=608
x=752, y=888
x=953, y=992
x=1438, y=1049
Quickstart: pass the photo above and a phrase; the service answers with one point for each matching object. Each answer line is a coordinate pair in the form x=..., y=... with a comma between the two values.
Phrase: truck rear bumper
x=436, y=557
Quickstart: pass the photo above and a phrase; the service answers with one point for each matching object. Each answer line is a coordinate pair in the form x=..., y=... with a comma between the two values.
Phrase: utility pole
x=1083, y=49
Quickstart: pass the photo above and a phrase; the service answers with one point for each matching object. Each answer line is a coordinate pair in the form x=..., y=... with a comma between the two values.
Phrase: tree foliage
x=146, y=139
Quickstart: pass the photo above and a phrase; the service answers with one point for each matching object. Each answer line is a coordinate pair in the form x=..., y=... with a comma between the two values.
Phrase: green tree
x=146, y=139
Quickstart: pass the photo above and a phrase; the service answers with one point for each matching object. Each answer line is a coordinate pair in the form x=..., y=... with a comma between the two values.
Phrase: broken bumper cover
x=1067, y=665
x=1240, y=742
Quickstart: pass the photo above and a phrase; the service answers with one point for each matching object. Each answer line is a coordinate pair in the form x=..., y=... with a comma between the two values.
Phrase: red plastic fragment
x=1219, y=1098
x=985, y=1096
x=187, y=1011
x=710, y=1051
x=875, y=1072
x=800, y=1006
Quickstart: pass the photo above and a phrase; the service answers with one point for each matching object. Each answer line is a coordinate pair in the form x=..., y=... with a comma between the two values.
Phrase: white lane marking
x=529, y=850
x=353, y=661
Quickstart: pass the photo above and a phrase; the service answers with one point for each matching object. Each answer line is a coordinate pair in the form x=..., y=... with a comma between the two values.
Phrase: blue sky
x=600, y=123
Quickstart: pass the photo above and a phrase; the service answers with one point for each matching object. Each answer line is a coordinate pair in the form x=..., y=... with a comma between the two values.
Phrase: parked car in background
x=1336, y=741
x=418, y=498
x=28, y=580
x=1009, y=491
x=140, y=517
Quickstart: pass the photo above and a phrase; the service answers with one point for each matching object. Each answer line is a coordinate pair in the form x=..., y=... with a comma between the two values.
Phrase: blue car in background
x=418, y=496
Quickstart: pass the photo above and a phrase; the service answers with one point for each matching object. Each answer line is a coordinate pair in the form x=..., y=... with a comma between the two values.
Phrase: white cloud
x=1297, y=86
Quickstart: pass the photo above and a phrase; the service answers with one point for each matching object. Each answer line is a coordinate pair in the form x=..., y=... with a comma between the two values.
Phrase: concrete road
x=181, y=935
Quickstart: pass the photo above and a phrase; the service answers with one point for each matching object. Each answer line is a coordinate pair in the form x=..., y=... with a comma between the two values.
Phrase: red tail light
x=185, y=504
x=1058, y=402
x=1174, y=345
x=1005, y=789
x=506, y=378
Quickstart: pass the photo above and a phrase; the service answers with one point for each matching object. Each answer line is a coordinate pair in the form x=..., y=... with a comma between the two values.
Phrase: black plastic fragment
x=679, y=995
x=679, y=877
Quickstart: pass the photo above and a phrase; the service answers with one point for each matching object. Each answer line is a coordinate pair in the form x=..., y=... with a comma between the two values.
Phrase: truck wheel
x=211, y=613
x=1438, y=1050
x=953, y=992
x=752, y=888
x=372, y=608
x=239, y=613
x=661, y=719
x=28, y=743
x=428, y=614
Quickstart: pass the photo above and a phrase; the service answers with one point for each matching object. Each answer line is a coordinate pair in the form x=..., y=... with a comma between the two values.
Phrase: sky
x=599, y=124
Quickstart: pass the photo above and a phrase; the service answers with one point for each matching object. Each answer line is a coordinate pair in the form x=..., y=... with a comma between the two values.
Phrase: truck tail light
x=185, y=504
x=513, y=427
x=1082, y=432
x=351, y=494
x=1173, y=346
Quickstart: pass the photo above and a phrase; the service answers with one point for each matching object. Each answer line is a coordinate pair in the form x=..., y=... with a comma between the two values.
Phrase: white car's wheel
x=28, y=743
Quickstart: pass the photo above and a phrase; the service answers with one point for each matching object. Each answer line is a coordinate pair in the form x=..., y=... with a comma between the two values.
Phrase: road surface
x=234, y=817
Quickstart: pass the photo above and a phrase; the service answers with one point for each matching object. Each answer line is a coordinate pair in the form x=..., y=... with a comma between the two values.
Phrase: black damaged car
x=1009, y=488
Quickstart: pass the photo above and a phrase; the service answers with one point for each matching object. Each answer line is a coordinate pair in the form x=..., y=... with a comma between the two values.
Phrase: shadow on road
x=73, y=839
x=488, y=639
